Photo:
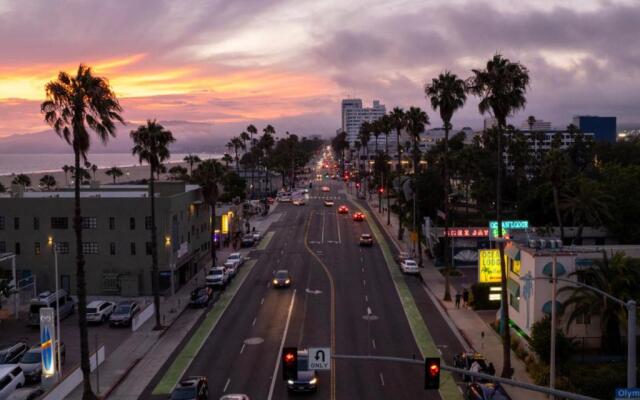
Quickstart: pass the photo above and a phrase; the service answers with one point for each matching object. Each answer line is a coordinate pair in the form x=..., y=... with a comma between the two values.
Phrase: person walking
x=458, y=296
x=465, y=297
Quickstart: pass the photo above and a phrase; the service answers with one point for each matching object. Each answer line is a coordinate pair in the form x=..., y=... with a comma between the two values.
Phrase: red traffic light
x=381, y=190
x=434, y=369
x=358, y=185
x=290, y=363
x=432, y=373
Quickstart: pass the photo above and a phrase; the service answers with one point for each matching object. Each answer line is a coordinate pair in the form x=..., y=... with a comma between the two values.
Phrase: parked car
x=32, y=393
x=358, y=216
x=232, y=268
x=235, y=396
x=486, y=391
x=307, y=380
x=31, y=362
x=100, y=311
x=200, y=297
x=281, y=279
x=11, y=378
x=65, y=303
x=403, y=255
x=237, y=258
x=11, y=353
x=409, y=266
x=257, y=236
x=191, y=388
x=366, y=239
x=343, y=209
x=124, y=313
x=217, y=277
x=247, y=240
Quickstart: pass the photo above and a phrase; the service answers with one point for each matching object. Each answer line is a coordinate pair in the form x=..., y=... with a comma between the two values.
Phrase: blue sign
x=627, y=393
x=47, y=341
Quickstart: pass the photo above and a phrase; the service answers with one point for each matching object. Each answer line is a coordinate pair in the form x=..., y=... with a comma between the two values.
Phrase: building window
x=89, y=222
x=132, y=223
x=89, y=248
x=148, y=248
x=36, y=248
x=59, y=223
x=1, y=223
x=3, y=247
x=16, y=223
x=36, y=223
x=147, y=223
x=112, y=223
x=17, y=248
x=133, y=248
x=112, y=249
x=62, y=247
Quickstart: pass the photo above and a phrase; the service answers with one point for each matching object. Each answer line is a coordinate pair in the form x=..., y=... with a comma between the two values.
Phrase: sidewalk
x=477, y=334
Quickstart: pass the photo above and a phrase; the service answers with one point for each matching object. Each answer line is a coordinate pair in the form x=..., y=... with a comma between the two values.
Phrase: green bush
x=480, y=297
x=541, y=342
x=597, y=380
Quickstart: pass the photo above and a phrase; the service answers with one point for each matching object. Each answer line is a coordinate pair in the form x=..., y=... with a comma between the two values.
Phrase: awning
x=546, y=308
x=513, y=252
x=514, y=287
x=548, y=269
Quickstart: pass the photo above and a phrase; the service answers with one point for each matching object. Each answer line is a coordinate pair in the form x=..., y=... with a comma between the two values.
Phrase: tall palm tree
x=238, y=144
x=501, y=86
x=209, y=175
x=587, y=205
x=178, y=173
x=21, y=179
x=398, y=122
x=191, y=159
x=151, y=145
x=531, y=121
x=386, y=126
x=66, y=169
x=115, y=173
x=74, y=106
x=266, y=143
x=555, y=169
x=447, y=93
x=364, y=135
x=48, y=181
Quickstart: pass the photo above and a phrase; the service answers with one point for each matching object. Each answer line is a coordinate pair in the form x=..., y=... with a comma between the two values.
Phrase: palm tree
x=531, y=121
x=619, y=277
x=386, y=126
x=2, y=188
x=587, y=205
x=501, y=85
x=447, y=93
x=178, y=173
x=66, y=169
x=115, y=173
x=555, y=170
x=266, y=145
x=238, y=144
x=209, y=175
x=48, y=181
x=151, y=145
x=75, y=105
x=21, y=179
x=398, y=122
x=191, y=159
x=227, y=159
x=365, y=136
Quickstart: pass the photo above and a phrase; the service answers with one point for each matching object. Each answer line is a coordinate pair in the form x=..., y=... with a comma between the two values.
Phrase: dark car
x=12, y=353
x=485, y=391
x=358, y=216
x=343, y=209
x=466, y=361
x=124, y=313
x=307, y=380
x=31, y=362
x=200, y=297
x=366, y=239
x=191, y=388
x=281, y=279
x=248, y=240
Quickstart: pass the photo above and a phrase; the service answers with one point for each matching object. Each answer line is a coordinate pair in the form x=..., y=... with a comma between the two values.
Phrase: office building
x=604, y=129
x=116, y=236
x=353, y=115
x=539, y=125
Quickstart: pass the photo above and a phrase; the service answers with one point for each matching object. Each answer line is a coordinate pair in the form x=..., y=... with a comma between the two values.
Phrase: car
x=329, y=203
x=343, y=209
x=281, y=279
x=409, y=266
x=326, y=189
x=191, y=388
x=124, y=313
x=366, y=239
x=235, y=396
x=32, y=393
x=11, y=378
x=236, y=257
x=99, y=311
x=270, y=200
x=358, y=216
x=11, y=353
x=200, y=297
x=307, y=380
x=217, y=277
x=31, y=362
x=485, y=391
x=247, y=241
x=299, y=201
x=257, y=236
x=232, y=268
x=59, y=299
x=466, y=360
x=403, y=255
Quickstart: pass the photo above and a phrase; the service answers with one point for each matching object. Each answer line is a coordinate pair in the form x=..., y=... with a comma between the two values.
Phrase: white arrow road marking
x=381, y=379
x=226, y=385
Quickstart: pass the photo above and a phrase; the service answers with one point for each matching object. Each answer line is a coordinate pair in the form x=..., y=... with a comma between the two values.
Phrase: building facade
x=604, y=129
x=116, y=236
x=353, y=115
x=538, y=125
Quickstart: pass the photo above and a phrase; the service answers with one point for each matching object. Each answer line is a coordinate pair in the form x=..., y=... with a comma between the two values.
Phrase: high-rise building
x=539, y=125
x=603, y=128
x=353, y=115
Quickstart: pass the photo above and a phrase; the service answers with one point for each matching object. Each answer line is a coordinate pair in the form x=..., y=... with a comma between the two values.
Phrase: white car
x=100, y=311
x=299, y=201
x=409, y=266
x=217, y=277
x=237, y=257
x=257, y=236
x=11, y=378
x=231, y=267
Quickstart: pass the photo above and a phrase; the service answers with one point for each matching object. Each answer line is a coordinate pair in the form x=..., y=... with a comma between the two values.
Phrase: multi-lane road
x=342, y=297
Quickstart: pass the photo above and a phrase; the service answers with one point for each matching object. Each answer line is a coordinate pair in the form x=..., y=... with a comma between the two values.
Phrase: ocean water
x=28, y=163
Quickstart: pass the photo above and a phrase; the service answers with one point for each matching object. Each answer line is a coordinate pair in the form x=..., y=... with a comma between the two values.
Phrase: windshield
x=282, y=274
x=217, y=271
x=410, y=262
x=31, y=357
x=184, y=393
x=122, y=309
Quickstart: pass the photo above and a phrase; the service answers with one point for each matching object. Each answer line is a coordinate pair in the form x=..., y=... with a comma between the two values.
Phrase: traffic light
x=432, y=373
x=358, y=185
x=381, y=190
x=290, y=363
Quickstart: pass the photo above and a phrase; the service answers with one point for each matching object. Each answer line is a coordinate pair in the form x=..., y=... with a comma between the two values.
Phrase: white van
x=11, y=378
x=48, y=299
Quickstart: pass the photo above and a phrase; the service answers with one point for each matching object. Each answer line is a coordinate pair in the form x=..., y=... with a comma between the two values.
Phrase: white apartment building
x=539, y=125
x=353, y=115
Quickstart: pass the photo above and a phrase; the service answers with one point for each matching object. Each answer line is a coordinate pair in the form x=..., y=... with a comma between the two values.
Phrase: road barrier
x=67, y=385
x=142, y=317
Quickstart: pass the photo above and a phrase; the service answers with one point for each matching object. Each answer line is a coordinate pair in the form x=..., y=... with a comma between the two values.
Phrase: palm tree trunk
x=81, y=285
x=213, y=241
x=556, y=205
x=398, y=150
x=155, y=284
x=447, y=262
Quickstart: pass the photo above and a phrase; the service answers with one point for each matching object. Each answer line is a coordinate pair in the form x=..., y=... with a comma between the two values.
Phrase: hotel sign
x=47, y=341
x=507, y=227
x=489, y=266
x=467, y=232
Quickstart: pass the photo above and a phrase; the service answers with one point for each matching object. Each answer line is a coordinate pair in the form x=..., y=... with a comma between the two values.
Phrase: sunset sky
x=291, y=62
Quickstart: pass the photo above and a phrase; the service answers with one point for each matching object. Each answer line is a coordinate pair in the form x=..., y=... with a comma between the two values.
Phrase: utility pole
x=552, y=358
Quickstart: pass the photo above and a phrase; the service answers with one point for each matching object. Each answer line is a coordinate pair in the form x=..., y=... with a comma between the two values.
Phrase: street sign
x=320, y=358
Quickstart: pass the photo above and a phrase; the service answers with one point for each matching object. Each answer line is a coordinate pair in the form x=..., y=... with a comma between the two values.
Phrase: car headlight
x=275, y=281
x=290, y=382
x=287, y=281
x=313, y=381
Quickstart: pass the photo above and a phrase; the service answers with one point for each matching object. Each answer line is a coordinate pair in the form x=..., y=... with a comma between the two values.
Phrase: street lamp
x=167, y=244
x=54, y=248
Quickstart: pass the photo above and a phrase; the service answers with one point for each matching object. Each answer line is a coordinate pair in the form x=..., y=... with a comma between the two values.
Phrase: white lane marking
x=284, y=336
x=369, y=311
x=362, y=269
x=254, y=321
x=381, y=379
x=373, y=342
x=262, y=301
x=366, y=298
x=226, y=386
x=364, y=283
x=242, y=349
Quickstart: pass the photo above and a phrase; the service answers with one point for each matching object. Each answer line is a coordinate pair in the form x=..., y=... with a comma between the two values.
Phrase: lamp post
x=167, y=244
x=54, y=249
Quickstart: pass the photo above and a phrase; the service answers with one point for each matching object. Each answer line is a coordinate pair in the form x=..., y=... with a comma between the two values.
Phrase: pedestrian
x=491, y=370
x=465, y=297
x=458, y=296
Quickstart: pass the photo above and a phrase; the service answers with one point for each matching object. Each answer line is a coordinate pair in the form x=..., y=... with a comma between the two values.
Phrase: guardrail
x=67, y=385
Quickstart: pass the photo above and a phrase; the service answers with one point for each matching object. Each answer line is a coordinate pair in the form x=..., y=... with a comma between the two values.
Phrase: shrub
x=480, y=297
x=598, y=380
x=541, y=342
